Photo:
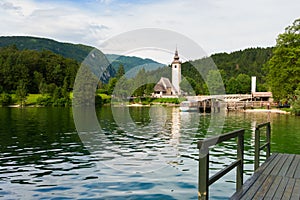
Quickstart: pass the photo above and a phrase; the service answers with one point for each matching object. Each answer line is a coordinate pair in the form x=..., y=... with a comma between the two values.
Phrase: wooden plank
x=279, y=165
x=297, y=172
x=247, y=185
x=289, y=189
x=281, y=188
x=296, y=191
x=272, y=164
x=274, y=158
x=273, y=188
x=286, y=164
x=264, y=187
x=293, y=167
x=265, y=171
x=255, y=187
x=277, y=178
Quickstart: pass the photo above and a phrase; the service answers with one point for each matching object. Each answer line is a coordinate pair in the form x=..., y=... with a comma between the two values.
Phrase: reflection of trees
x=33, y=135
x=140, y=115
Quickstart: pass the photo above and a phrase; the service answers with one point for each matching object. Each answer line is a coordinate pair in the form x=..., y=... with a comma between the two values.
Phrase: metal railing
x=266, y=145
x=204, y=181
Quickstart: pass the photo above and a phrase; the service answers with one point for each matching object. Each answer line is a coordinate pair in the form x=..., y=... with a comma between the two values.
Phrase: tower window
x=175, y=66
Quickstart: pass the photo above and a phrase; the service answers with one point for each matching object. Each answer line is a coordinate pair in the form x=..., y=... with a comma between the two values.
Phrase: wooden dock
x=277, y=178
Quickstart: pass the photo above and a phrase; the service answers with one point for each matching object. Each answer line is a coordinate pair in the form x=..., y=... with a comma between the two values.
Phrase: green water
x=149, y=153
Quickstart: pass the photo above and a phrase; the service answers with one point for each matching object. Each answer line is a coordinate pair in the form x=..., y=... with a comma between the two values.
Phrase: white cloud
x=215, y=25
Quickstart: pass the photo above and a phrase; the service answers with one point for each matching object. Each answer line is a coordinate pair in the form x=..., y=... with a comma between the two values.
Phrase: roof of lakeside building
x=163, y=84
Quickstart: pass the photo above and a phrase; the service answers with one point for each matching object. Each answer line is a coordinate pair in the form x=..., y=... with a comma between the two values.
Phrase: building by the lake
x=164, y=87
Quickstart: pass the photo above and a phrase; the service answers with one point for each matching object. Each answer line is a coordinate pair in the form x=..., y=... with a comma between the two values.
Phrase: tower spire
x=176, y=57
x=176, y=72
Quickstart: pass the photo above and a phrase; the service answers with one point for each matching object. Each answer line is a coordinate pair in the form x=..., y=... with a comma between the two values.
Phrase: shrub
x=167, y=100
x=5, y=99
x=98, y=100
x=296, y=103
x=44, y=101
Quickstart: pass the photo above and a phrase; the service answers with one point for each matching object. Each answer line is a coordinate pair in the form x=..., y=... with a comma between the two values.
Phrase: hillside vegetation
x=236, y=69
x=79, y=52
x=30, y=71
x=74, y=51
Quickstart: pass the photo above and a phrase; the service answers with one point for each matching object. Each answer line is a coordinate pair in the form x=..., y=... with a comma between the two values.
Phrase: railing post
x=268, y=135
x=240, y=156
x=257, y=148
x=204, y=181
x=203, y=176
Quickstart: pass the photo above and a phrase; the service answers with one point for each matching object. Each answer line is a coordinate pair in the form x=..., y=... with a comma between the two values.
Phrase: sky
x=215, y=25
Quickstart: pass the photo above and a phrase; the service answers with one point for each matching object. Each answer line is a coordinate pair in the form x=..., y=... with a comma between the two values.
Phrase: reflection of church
x=165, y=88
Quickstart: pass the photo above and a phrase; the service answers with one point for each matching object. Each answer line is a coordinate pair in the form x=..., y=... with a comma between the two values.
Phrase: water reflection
x=152, y=156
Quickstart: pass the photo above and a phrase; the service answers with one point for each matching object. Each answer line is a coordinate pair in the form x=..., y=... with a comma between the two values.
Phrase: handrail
x=203, y=178
x=267, y=145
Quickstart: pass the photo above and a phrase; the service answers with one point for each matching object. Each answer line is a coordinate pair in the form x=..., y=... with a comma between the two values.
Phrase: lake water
x=136, y=153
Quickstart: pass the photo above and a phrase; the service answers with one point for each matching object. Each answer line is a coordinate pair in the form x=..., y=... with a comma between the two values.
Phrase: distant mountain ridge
x=78, y=52
x=133, y=64
x=74, y=51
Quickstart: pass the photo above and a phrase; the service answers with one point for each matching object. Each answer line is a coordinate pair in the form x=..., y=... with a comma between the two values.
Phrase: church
x=166, y=89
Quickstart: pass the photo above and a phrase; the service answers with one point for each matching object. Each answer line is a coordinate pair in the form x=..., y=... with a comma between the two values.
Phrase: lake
x=134, y=153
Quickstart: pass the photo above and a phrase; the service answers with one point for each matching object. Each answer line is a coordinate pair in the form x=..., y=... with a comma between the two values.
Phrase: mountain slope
x=132, y=64
x=78, y=52
x=74, y=51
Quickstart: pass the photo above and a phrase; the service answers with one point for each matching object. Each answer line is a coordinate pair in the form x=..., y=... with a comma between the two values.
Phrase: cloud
x=8, y=6
x=217, y=26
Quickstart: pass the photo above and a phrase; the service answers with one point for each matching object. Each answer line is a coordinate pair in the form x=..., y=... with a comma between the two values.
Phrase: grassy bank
x=47, y=100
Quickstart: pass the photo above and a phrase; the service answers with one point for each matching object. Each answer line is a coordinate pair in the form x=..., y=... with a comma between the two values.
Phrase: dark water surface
x=149, y=154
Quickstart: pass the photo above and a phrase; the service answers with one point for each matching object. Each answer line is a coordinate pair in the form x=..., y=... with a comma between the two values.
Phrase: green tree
x=149, y=88
x=232, y=86
x=57, y=94
x=120, y=72
x=214, y=82
x=64, y=91
x=43, y=88
x=188, y=85
x=38, y=78
x=284, y=66
x=244, y=84
x=5, y=99
x=140, y=83
x=111, y=85
x=21, y=92
x=296, y=103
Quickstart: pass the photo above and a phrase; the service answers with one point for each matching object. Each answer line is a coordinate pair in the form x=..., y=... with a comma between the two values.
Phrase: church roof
x=159, y=88
x=163, y=84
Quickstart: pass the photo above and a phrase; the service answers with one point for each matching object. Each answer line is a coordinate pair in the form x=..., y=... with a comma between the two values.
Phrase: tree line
x=29, y=71
x=283, y=69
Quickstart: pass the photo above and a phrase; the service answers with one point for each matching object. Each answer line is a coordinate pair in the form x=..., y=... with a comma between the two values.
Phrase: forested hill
x=236, y=69
x=77, y=52
x=249, y=61
x=74, y=51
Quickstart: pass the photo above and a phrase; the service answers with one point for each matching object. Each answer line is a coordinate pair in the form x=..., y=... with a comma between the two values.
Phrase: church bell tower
x=176, y=73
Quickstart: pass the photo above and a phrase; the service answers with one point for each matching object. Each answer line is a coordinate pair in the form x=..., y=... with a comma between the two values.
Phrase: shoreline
x=267, y=111
x=277, y=111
